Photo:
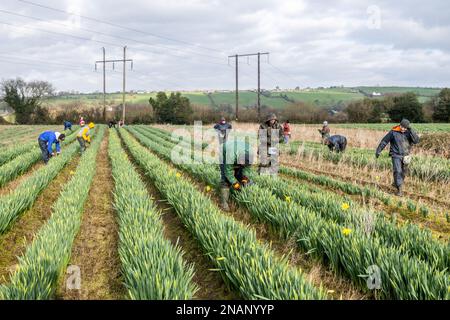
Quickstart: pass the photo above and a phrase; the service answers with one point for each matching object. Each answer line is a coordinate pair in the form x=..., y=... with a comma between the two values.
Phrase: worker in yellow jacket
x=83, y=136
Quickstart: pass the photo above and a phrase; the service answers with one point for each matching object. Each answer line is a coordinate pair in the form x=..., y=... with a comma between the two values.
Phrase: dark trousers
x=45, y=153
x=82, y=144
x=238, y=174
x=399, y=171
x=343, y=146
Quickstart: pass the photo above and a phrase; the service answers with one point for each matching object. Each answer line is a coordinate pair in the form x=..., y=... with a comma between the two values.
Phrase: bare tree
x=25, y=97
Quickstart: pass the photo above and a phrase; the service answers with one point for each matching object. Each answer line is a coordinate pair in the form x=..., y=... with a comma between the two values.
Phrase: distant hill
x=321, y=97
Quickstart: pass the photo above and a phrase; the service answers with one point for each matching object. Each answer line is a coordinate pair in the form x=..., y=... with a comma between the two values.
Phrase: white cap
x=325, y=123
x=57, y=134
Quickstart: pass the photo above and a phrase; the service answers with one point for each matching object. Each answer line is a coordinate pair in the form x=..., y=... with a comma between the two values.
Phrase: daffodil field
x=299, y=235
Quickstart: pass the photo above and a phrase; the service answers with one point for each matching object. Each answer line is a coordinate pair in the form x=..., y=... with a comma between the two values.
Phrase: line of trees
x=395, y=108
x=26, y=99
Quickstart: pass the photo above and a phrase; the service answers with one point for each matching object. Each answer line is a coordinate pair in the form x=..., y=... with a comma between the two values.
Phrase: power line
x=119, y=26
x=99, y=41
x=38, y=66
x=106, y=34
x=284, y=73
x=55, y=63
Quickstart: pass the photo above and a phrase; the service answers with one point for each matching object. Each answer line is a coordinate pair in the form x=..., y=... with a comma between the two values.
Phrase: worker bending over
x=84, y=136
x=401, y=138
x=67, y=125
x=46, y=141
x=336, y=143
x=238, y=159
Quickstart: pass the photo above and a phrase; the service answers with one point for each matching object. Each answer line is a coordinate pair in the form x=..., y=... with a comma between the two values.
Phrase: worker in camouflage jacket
x=271, y=134
x=238, y=159
x=401, y=138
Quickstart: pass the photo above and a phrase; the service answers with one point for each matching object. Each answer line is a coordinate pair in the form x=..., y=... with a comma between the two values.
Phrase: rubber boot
x=224, y=196
x=399, y=191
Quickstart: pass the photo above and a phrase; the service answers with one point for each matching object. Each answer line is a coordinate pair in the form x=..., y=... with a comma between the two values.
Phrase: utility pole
x=104, y=84
x=124, y=61
x=237, y=87
x=237, y=56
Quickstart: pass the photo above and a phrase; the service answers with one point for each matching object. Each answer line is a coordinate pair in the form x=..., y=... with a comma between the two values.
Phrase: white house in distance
x=376, y=94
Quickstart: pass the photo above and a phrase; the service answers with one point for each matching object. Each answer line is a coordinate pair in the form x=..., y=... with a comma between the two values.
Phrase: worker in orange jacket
x=84, y=136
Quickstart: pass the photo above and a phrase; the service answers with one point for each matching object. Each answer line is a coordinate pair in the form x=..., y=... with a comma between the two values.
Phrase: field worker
x=336, y=143
x=223, y=129
x=83, y=136
x=112, y=124
x=325, y=131
x=270, y=135
x=67, y=125
x=286, y=131
x=238, y=159
x=400, y=138
x=46, y=141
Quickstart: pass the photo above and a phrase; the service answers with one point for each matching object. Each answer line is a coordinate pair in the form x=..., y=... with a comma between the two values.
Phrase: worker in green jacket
x=238, y=159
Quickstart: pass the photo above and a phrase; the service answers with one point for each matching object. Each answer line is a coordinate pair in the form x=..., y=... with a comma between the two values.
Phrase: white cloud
x=316, y=42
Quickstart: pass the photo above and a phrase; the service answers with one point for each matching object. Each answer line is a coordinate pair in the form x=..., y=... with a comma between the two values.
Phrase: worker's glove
x=237, y=186
x=245, y=181
x=377, y=155
x=58, y=153
x=53, y=154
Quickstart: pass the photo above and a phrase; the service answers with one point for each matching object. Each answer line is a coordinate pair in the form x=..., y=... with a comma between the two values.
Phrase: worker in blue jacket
x=67, y=125
x=46, y=141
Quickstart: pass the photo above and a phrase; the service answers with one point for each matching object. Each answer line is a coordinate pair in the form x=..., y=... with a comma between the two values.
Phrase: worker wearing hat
x=223, y=129
x=270, y=136
x=325, y=132
x=401, y=138
x=84, y=136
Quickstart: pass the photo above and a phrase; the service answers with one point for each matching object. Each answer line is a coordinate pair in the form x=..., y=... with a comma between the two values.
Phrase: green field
x=326, y=97
x=421, y=127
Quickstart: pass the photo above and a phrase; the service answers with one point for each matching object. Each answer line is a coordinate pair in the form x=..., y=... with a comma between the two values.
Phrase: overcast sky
x=178, y=44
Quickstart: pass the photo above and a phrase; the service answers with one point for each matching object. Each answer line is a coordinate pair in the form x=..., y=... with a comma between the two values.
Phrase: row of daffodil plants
x=354, y=189
x=175, y=137
x=423, y=167
x=153, y=269
x=25, y=194
x=408, y=238
x=248, y=266
x=9, y=153
x=347, y=249
x=21, y=163
x=347, y=187
x=46, y=258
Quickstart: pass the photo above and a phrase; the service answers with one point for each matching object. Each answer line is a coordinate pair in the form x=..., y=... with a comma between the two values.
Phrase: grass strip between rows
x=152, y=267
x=46, y=258
x=245, y=263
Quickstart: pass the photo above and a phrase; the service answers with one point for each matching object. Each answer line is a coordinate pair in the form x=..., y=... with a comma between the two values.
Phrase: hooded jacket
x=51, y=137
x=221, y=129
x=272, y=129
x=400, y=142
x=236, y=154
x=84, y=133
